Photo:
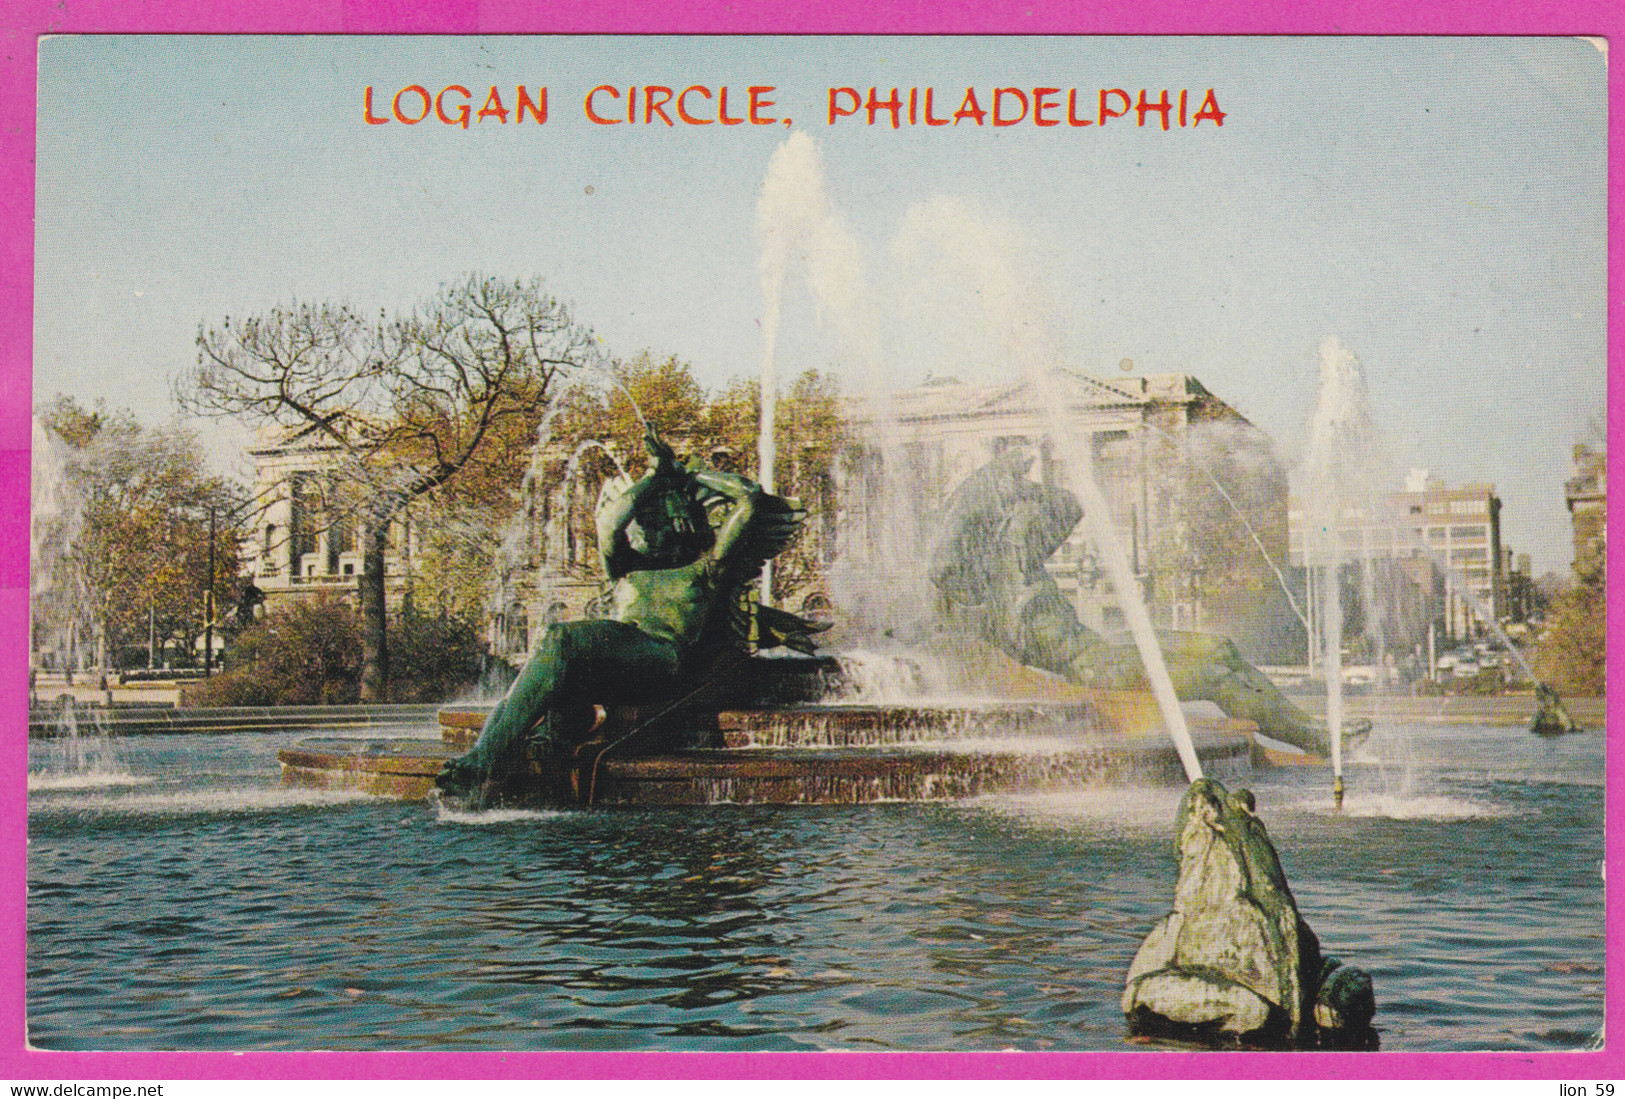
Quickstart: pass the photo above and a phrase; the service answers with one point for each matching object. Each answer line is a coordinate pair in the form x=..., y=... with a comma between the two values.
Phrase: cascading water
x=82, y=753
x=518, y=562
x=882, y=678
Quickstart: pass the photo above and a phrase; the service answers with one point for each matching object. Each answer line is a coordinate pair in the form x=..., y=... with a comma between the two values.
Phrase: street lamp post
x=208, y=604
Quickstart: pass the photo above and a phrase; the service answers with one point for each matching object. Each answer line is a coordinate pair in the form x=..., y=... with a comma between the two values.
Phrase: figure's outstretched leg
x=1043, y=631
x=502, y=738
x=1245, y=692
x=575, y=664
x=1205, y=666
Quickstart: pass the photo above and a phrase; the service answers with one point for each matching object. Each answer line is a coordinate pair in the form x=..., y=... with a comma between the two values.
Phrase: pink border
x=27, y=19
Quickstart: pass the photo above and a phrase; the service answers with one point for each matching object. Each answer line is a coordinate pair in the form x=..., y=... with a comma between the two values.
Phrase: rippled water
x=180, y=898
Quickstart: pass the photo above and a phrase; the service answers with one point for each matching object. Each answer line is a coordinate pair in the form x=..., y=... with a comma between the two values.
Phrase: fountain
x=773, y=732
x=759, y=729
x=1341, y=471
x=55, y=585
x=1340, y=441
x=522, y=568
x=999, y=923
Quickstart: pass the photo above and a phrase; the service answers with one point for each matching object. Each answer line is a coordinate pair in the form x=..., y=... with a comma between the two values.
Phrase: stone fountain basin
x=818, y=754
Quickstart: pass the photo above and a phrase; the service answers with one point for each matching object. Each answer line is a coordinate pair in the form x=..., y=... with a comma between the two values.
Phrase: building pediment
x=1077, y=391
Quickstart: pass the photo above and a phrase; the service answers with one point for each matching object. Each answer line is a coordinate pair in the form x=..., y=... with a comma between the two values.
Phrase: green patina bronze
x=1551, y=717
x=683, y=549
x=996, y=532
x=1235, y=960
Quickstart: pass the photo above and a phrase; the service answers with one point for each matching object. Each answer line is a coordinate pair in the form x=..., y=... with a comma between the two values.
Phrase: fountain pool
x=206, y=906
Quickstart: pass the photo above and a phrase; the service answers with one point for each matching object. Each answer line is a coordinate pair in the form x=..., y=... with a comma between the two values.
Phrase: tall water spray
x=56, y=514
x=799, y=229
x=1011, y=303
x=1338, y=480
x=60, y=608
x=775, y=223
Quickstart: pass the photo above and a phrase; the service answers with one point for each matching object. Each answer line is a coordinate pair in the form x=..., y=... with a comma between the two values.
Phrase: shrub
x=433, y=658
x=308, y=653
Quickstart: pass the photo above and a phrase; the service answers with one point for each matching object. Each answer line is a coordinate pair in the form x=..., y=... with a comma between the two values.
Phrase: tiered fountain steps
x=395, y=768
x=817, y=754
x=866, y=726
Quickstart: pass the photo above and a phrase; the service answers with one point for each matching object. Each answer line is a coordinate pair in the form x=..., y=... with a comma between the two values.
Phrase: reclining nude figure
x=987, y=564
x=680, y=547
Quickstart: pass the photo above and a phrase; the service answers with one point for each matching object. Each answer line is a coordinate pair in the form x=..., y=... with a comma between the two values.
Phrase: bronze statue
x=987, y=564
x=682, y=549
x=1235, y=961
x=1551, y=717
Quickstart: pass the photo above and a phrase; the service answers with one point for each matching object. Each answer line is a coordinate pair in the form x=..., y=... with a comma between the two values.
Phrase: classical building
x=302, y=538
x=1195, y=493
x=302, y=534
x=1196, y=496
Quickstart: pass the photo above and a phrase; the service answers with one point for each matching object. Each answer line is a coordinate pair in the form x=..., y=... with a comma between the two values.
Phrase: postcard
x=1087, y=549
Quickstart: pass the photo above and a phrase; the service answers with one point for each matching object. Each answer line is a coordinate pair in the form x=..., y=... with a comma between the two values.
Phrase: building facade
x=1196, y=496
x=1587, y=496
x=1436, y=552
x=302, y=536
x=1197, y=499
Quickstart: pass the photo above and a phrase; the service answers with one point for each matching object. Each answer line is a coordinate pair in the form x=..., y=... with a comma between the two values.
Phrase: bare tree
x=405, y=404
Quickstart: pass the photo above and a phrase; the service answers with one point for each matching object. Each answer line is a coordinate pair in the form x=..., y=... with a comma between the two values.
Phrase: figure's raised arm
x=665, y=459
x=611, y=517
x=743, y=497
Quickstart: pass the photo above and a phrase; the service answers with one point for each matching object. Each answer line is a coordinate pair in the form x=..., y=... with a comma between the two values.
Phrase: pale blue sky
x=1437, y=204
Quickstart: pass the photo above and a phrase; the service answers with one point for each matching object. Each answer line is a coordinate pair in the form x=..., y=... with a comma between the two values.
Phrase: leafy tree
x=810, y=436
x=1573, y=652
x=407, y=404
x=1230, y=532
x=670, y=399
x=457, y=555
x=436, y=658
x=127, y=557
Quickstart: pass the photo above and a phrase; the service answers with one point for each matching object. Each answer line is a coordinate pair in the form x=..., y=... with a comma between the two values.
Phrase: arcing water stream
x=794, y=211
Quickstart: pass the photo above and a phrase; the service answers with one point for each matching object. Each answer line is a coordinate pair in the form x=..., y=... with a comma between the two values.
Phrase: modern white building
x=1448, y=541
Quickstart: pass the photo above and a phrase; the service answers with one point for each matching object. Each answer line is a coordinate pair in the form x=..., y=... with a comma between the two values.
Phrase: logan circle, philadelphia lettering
x=698, y=105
